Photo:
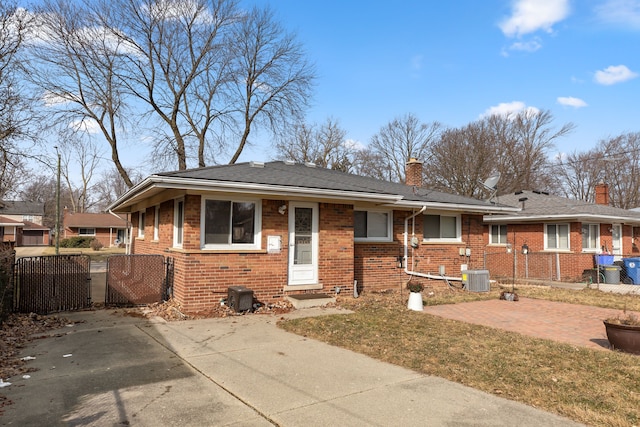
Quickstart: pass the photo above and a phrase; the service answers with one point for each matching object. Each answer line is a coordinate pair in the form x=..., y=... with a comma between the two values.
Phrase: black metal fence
x=47, y=284
x=138, y=279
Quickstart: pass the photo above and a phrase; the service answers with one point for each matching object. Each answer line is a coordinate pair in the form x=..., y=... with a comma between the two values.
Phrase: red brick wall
x=376, y=264
x=201, y=278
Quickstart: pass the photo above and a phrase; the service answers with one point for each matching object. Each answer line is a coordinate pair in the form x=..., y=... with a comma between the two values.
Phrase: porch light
x=525, y=249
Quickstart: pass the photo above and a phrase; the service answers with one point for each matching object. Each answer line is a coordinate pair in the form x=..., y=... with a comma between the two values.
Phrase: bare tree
x=79, y=159
x=15, y=106
x=620, y=164
x=325, y=145
x=74, y=62
x=177, y=64
x=110, y=186
x=524, y=140
x=462, y=159
x=272, y=78
x=403, y=138
x=579, y=173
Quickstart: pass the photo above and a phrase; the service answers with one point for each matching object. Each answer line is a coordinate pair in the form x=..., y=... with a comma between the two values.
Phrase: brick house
x=281, y=228
x=25, y=223
x=560, y=234
x=110, y=230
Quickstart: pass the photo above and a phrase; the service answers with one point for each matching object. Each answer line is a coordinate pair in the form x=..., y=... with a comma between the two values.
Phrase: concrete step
x=310, y=300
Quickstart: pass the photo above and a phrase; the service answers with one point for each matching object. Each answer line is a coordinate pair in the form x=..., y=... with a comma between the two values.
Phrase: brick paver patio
x=569, y=323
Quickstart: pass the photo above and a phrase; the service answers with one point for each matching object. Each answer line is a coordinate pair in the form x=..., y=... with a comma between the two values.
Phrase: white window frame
x=86, y=234
x=546, y=234
x=257, y=221
x=589, y=227
x=458, y=237
x=142, y=219
x=178, y=231
x=156, y=223
x=500, y=226
x=388, y=238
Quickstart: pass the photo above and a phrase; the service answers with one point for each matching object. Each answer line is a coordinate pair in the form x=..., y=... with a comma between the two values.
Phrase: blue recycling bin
x=632, y=265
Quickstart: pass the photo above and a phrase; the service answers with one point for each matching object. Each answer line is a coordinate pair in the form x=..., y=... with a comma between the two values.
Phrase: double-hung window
x=230, y=224
x=556, y=236
x=178, y=223
x=590, y=237
x=498, y=234
x=372, y=225
x=141, y=223
x=444, y=228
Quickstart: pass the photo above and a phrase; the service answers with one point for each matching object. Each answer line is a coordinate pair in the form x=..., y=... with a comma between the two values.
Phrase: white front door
x=616, y=239
x=303, y=243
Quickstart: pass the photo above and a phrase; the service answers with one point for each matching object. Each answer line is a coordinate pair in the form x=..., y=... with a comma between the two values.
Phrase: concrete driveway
x=110, y=369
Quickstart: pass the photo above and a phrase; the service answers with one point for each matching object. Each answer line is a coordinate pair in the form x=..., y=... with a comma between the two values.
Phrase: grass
x=594, y=387
x=100, y=255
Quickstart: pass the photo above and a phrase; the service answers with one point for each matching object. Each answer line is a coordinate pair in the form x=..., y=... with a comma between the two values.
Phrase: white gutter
x=406, y=253
x=455, y=207
x=559, y=217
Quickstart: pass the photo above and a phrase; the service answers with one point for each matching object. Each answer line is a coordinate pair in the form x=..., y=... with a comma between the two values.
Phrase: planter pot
x=623, y=337
x=415, y=301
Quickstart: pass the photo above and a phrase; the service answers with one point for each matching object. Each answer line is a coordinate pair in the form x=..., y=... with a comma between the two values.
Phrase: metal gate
x=138, y=279
x=47, y=284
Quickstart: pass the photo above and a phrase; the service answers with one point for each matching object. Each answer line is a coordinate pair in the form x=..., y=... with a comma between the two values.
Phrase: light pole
x=58, y=206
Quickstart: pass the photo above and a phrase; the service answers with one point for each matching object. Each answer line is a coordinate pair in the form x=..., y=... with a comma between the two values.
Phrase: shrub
x=96, y=245
x=76, y=242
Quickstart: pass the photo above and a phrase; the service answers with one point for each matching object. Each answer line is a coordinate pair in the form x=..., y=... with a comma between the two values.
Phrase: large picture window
x=556, y=236
x=498, y=234
x=229, y=223
x=590, y=236
x=86, y=232
x=372, y=225
x=441, y=227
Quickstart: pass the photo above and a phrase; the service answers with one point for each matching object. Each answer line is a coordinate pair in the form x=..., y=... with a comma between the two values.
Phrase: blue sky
x=453, y=61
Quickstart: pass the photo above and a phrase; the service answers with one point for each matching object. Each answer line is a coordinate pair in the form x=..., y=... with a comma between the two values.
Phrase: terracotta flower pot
x=623, y=337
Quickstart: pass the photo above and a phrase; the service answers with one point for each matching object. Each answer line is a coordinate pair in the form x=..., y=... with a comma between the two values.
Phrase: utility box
x=476, y=280
x=240, y=298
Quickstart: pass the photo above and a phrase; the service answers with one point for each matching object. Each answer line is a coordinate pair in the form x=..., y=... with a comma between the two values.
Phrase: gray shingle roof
x=539, y=204
x=17, y=207
x=298, y=175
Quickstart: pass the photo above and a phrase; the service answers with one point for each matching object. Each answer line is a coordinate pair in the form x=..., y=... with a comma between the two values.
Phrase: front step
x=310, y=300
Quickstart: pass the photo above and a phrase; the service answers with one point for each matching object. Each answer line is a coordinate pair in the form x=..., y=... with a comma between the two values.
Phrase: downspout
x=406, y=253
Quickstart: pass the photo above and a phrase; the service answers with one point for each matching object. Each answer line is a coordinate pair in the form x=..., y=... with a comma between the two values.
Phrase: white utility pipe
x=406, y=253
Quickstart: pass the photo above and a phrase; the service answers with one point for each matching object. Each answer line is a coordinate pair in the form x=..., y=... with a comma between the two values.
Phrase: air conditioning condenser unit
x=476, y=280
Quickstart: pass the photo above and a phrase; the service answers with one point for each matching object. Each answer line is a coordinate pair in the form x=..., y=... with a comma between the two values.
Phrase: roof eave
x=138, y=192
x=562, y=217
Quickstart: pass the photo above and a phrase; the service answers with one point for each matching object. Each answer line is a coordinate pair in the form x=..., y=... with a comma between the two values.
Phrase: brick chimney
x=413, y=172
x=602, y=194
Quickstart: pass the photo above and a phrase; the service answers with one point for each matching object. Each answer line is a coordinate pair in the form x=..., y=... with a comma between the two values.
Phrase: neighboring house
x=110, y=230
x=11, y=231
x=562, y=234
x=281, y=228
x=29, y=229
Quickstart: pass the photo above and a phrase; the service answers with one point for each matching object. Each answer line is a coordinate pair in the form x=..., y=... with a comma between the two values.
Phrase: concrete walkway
x=112, y=369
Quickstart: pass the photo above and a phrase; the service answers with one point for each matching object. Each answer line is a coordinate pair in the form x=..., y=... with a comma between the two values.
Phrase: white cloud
x=354, y=145
x=507, y=109
x=620, y=12
x=86, y=125
x=529, y=16
x=570, y=101
x=53, y=100
x=614, y=74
